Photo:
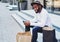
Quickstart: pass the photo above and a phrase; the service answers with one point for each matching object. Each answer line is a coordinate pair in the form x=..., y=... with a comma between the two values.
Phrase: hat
x=36, y=2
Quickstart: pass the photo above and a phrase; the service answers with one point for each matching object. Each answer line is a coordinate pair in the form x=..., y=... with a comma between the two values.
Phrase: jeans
x=35, y=31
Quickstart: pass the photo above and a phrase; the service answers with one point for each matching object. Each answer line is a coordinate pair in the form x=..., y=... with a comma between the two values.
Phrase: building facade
x=53, y=6
x=50, y=5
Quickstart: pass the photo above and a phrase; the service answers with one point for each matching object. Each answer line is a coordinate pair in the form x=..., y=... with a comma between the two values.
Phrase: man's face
x=35, y=7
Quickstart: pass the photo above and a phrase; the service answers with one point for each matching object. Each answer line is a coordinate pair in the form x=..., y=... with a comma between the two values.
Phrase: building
x=50, y=5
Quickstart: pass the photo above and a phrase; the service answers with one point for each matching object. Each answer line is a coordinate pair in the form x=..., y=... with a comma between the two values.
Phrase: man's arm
x=27, y=23
x=42, y=21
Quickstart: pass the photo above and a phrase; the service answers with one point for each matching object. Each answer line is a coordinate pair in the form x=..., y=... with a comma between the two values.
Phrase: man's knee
x=35, y=29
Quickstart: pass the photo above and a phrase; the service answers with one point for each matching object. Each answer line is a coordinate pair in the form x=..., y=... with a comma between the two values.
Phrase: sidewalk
x=8, y=26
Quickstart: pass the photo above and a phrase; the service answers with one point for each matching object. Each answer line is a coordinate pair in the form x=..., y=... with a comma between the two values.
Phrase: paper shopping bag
x=23, y=37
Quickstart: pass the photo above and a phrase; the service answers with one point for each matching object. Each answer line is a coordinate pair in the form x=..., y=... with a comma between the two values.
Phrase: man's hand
x=27, y=23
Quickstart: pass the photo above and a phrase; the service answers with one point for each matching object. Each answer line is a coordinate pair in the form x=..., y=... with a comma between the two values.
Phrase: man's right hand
x=27, y=23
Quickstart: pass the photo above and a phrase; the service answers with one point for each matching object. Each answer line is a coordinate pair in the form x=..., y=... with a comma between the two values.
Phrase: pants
x=35, y=31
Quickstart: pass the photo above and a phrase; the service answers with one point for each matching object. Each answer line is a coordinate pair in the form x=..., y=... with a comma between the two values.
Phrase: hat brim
x=35, y=3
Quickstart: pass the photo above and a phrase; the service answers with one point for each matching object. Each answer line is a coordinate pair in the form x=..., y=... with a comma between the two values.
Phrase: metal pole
x=44, y=3
x=52, y=7
x=13, y=2
x=18, y=6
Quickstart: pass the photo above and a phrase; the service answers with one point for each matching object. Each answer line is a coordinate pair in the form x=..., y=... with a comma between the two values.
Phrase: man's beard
x=39, y=10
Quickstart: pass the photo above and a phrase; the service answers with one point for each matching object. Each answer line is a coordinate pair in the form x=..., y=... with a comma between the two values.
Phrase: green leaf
x=21, y=1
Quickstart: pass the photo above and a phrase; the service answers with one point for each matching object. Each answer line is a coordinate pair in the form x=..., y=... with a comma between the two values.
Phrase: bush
x=21, y=1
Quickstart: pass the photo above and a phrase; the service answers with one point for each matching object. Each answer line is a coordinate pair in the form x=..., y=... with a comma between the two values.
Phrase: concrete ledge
x=55, y=20
x=19, y=21
x=12, y=7
x=24, y=16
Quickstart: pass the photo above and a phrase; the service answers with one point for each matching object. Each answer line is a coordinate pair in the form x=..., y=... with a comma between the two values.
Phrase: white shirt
x=41, y=19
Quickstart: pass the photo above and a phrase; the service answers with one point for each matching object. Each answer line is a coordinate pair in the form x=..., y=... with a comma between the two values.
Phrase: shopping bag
x=23, y=37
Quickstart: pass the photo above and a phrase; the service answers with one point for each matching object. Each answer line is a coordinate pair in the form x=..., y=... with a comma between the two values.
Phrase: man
x=41, y=20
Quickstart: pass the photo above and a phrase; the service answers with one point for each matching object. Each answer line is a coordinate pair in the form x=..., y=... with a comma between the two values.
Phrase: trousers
x=35, y=31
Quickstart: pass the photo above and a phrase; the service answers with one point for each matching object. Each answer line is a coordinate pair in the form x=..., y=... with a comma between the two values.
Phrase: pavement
x=8, y=26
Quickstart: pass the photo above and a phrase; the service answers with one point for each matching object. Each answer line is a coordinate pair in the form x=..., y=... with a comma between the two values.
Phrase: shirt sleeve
x=41, y=22
x=34, y=19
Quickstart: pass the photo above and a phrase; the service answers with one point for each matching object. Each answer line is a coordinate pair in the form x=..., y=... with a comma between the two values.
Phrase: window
x=53, y=6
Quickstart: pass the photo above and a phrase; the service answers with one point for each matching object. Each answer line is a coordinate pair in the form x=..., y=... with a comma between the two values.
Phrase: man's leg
x=35, y=33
